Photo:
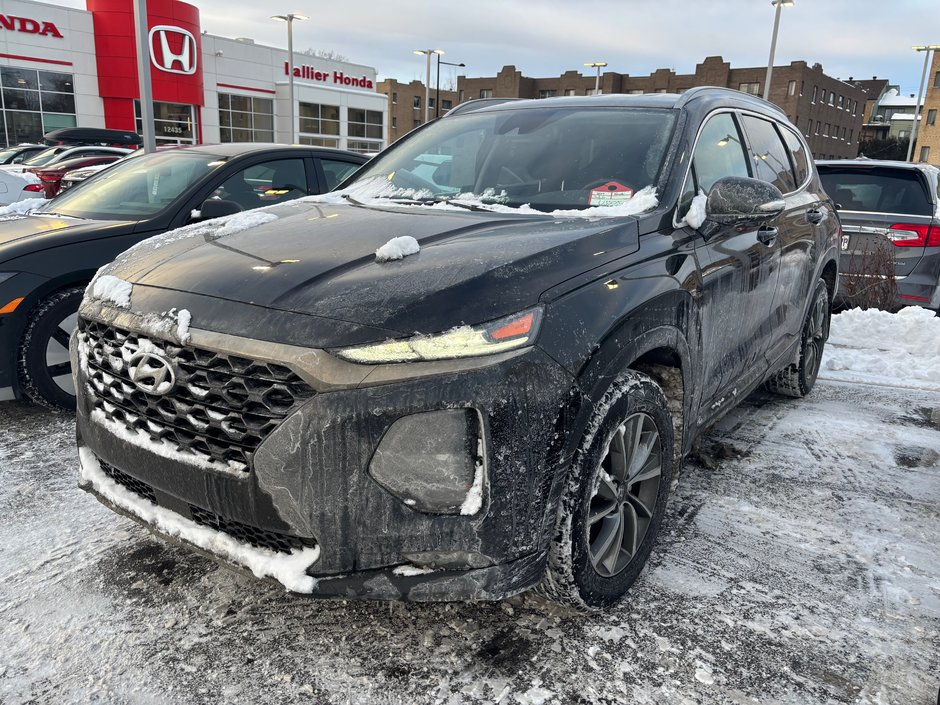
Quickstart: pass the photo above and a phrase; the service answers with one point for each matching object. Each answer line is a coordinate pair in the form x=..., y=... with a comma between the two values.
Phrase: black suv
x=48, y=255
x=473, y=369
x=890, y=213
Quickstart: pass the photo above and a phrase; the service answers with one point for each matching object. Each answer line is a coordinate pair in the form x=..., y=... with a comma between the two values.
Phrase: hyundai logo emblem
x=151, y=373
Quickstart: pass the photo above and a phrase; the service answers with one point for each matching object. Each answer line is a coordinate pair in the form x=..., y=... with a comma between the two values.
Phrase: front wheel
x=797, y=379
x=616, y=495
x=44, y=369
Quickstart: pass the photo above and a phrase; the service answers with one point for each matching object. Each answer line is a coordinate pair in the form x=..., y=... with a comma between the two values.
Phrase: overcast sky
x=859, y=38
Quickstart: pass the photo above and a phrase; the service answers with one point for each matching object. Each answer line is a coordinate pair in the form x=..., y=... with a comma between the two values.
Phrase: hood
x=320, y=260
x=21, y=232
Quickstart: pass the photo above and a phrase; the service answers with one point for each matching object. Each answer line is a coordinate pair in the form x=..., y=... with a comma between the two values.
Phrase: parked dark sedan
x=48, y=256
x=474, y=368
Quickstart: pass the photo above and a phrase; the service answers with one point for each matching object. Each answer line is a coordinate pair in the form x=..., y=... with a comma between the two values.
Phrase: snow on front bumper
x=289, y=569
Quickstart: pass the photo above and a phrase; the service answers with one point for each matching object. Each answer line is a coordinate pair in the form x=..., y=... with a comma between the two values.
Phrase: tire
x=606, y=527
x=797, y=379
x=43, y=360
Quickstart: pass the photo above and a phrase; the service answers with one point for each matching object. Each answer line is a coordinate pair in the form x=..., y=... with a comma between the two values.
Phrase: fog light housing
x=433, y=461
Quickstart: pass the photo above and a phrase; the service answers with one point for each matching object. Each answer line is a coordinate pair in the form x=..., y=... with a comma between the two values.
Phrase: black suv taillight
x=914, y=235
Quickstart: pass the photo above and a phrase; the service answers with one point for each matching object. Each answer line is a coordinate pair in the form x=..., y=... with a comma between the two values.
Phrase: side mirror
x=216, y=208
x=736, y=200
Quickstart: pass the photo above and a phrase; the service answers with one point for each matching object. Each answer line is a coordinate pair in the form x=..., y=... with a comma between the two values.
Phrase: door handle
x=767, y=235
x=815, y=216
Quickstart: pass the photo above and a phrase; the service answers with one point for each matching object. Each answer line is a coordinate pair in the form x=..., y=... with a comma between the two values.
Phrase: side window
x=336, y=171
x=266, y=183
x=719, y=152
x=800, y=158
x=772, y=163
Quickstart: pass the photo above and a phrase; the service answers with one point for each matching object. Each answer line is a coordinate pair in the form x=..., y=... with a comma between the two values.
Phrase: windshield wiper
x=53, y=215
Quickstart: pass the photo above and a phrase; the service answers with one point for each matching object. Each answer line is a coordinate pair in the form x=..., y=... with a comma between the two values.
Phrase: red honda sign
x=29, y=26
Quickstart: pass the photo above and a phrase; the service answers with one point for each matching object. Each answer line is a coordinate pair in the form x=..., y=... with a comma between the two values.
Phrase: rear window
x=877, y=190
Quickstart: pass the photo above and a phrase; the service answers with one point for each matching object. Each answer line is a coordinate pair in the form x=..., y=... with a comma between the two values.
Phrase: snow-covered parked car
x=474, y=368
x=19, y=182
x=48, y=255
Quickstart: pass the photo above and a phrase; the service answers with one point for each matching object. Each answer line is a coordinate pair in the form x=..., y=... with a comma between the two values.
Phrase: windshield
x=547, y=157
x=43, y=157
x=136, y=188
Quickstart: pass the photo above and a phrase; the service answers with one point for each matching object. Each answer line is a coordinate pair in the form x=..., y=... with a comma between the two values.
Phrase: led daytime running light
x=507, y=333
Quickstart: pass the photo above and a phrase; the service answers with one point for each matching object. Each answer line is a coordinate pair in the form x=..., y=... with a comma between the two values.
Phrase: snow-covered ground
x=803, y=568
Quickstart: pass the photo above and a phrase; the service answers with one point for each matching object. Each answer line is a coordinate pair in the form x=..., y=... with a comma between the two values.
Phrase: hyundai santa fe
x=475, y=368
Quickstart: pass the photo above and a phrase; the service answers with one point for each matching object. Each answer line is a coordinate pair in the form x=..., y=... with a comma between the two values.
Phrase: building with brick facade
x=406, y=105
x=827, y=110
x=927, y=148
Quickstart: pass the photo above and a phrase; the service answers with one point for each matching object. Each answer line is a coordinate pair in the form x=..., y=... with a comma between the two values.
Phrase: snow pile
x=29, y=177
x=288, y=569
x=696, y=215
x=901, y=349
x=474, y=499
x=397, y=248
x=112, y=290
x=22, y=207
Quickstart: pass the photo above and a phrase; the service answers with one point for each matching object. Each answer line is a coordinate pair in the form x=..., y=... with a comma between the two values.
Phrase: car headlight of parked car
x=514, y=331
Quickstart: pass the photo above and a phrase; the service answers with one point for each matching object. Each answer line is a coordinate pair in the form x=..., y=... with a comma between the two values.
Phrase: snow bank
x=397, y=248
x=900, y=349
x=112, y=290
x=288, y=569
x=21, y=207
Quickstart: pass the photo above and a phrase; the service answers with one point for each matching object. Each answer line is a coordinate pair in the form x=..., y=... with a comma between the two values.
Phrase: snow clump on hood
x=112, y=290
x=397, y=248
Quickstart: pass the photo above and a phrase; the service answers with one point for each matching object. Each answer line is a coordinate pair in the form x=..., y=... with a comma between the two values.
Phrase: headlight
x=507, y=333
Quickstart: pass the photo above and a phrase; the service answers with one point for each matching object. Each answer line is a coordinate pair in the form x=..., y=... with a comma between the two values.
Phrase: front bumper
x=309, y=479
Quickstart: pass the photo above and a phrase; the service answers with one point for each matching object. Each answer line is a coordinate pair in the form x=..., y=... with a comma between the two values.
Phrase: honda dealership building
x=62, y=67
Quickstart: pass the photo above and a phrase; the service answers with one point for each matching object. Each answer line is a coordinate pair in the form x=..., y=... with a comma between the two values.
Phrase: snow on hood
x=380, y=193
x=397, y=248
x=110, y=290
x=19, y=208
x=900, y=349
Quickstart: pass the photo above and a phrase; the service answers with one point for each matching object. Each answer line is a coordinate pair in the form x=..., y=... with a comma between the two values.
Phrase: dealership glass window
x=365, y=123
x=245, y=118
x=364, y=146
x=173, y=122
x=318, y=141
x=319, y=119
x=34, y=102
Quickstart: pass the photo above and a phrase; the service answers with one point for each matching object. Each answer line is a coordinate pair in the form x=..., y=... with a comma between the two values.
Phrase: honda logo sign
x=173, y=49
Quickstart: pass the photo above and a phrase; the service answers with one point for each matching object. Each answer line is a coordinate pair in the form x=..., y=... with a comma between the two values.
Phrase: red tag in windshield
x=610, y=194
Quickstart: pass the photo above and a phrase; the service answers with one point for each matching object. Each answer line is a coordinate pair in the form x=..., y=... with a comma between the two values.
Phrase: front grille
x=261, y=538
x=218, y=412
x=141, y=489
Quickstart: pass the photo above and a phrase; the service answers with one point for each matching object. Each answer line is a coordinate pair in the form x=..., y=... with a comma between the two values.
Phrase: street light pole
x=143, y=74
x=920, y=94
x=437, y=100
x=597, y=80
x=427, y=83
x=289, y=19
x=773, y=44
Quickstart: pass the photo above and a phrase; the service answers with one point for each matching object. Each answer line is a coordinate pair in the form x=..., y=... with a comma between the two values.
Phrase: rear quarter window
x=877, y=190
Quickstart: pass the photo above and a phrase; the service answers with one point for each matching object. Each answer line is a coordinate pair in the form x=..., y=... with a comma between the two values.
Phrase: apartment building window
x=832, y=97
x=752, y=88
x=591, y=91
x=936, y=80
x=659, y=90
x=417, y=123
x=854, y=108
x=801, y=87
x=841, y=102
x=486, y=92
x=245, y=118
x=843, y=133
x=548, y=93
x=818, y=126
x=570, y=91
x=394, y=96
x=924, y=153
x=815, y=91
x=446, y=104
x=316, y=121
x=364, y=146
x=431, y=103
x=416, y=103
x=460, y=96
x=791, y=88
x=932, y=117
x=851, y=133
x=635, y=91
x=826, y=129
x=35, y=102
x=394, y=122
